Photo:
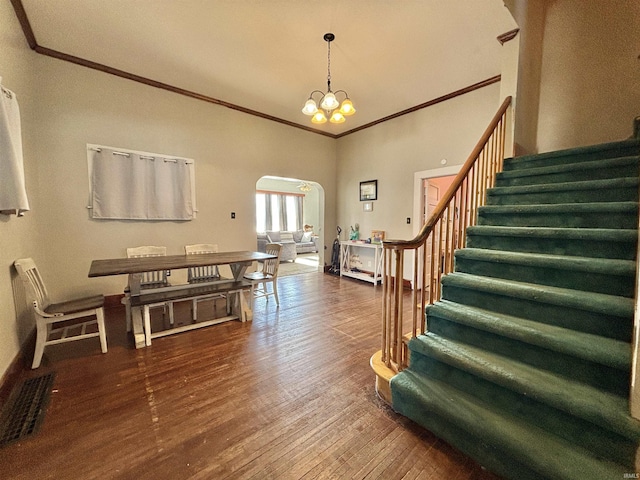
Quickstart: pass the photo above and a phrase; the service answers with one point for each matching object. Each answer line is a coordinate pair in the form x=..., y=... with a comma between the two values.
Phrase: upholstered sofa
x=305, y=242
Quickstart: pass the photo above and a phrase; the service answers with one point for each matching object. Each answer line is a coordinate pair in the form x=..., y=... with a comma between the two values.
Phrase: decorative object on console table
x=368, y=190
x=354, y=234
x=377, y=236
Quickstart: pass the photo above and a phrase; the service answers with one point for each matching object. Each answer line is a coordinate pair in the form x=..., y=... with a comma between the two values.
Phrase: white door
x=431, y=198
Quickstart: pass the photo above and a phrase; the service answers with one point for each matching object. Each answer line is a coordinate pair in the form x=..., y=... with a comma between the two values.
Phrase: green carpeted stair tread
x=568, y=208
x=606, y=234
x=597, y=242
x=545, y=455
x=589, y=347
x=573, y=215
x=607, y=190
x=591, y=169
x=605, y=409
x=572, y=155
x=603, y=275
x=527, y=359
x=610, y=305
x=583, y=264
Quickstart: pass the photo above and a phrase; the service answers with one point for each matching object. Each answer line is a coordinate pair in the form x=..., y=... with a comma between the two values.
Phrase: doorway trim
x=418, y=204
x=418, y=194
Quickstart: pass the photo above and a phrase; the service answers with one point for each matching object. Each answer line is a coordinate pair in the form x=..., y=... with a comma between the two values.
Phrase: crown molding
x=443, y=98
x=510, y=35
x=33, y=44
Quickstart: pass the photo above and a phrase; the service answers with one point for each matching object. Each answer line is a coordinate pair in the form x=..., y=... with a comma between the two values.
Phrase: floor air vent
x=25, y=408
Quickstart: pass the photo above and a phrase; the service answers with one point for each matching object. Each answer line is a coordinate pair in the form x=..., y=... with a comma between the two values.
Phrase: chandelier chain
x=329, y=65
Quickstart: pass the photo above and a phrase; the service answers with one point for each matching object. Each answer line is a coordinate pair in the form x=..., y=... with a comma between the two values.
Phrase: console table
x=349, y=248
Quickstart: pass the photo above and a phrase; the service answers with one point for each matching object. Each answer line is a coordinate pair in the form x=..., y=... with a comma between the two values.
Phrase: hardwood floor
x=287, y=396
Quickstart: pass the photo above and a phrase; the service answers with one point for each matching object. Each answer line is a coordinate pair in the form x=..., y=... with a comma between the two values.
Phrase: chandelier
x=327, y=105
x=304, y=187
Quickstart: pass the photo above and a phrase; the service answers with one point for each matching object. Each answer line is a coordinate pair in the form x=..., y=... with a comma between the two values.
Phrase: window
x=278, y=211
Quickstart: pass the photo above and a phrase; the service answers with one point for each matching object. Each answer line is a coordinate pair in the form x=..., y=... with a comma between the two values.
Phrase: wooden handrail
x=434, y=246
x=461, y=175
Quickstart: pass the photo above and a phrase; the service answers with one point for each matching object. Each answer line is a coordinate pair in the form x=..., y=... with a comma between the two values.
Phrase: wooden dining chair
x=149, y=280
x=203, y=274
x=260, y=280
x=48, y=314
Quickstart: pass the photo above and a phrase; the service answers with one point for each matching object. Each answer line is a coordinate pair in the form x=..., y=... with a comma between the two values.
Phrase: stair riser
x=562, y=316
x=543, y=275
x=509, y=179
x=537, y=162
x=422, y=410
x=599, y=376
x=602, y=219
x=573, y=429
x=567, y=196
x=605, y=248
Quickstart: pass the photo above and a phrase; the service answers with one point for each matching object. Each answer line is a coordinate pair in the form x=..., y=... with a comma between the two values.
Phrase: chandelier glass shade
x=326, y=105
x=304, y=187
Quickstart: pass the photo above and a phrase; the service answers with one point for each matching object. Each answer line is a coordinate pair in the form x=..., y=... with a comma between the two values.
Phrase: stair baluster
x=434, y=245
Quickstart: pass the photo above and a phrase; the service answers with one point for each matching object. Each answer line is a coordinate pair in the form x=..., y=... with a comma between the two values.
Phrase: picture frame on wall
x=368, y=190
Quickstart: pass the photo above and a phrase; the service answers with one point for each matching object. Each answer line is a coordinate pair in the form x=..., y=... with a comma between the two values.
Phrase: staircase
x=526, y=362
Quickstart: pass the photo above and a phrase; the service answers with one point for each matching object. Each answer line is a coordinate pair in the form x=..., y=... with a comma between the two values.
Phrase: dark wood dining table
x=135, y=267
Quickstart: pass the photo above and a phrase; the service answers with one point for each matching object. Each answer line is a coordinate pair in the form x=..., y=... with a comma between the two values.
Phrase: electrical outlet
x=408, y=220
x=233, y=214
x=369, y=263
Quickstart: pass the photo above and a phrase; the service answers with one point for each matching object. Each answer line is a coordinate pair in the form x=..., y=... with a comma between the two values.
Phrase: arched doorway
x=312, y=215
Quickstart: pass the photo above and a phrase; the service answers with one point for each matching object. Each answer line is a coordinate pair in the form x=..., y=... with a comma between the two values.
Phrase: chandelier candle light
x=328, y=104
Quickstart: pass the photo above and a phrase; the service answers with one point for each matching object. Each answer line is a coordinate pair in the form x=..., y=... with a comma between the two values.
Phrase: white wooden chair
x=149, y=280
x=268, y=275
x=48, y=314
x=195, y=275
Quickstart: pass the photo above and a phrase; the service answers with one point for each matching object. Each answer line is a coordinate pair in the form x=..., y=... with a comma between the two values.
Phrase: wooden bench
x=187, y=292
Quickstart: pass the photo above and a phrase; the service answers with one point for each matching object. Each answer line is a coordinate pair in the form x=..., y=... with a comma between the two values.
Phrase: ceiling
x=267, y=56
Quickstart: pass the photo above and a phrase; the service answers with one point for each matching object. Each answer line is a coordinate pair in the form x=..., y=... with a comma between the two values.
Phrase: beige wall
x=231, y=150
x=65, y=107
x=590, y=78
x=577, y=84
x=579, y=72
x=393, y=151
x=530, y=19
x=18, y=236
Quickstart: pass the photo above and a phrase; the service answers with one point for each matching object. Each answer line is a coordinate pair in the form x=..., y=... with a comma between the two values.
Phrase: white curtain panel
x=170, y=193
x=299, y=205
x=130, y=185
x=13, y=194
